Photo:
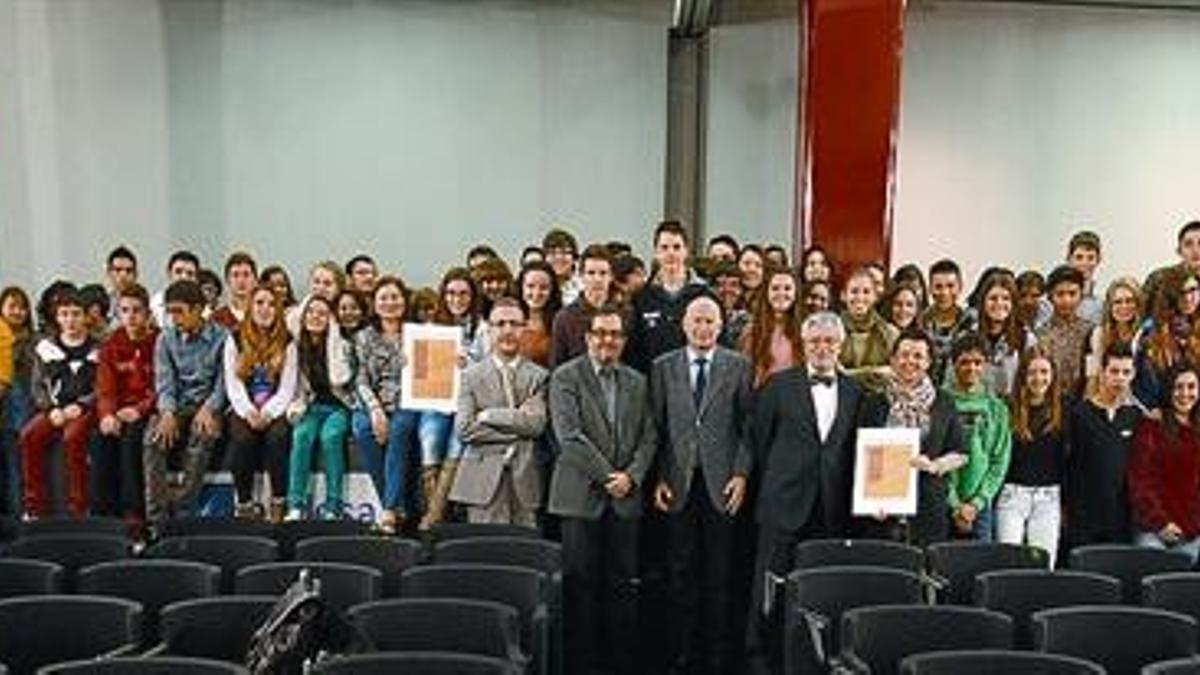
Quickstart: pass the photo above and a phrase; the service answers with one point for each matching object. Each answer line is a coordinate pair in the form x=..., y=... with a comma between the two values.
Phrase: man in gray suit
x=606, y=437
x=701, y=396
x=501, y=413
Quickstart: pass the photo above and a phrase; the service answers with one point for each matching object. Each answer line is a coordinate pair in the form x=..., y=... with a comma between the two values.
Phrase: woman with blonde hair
x=260, y=381
x=1121, y=321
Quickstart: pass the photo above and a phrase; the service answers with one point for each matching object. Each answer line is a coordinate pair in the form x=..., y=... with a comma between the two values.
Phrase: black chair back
x=817, y=598
x=1120, y=638
x=447, y=531
x=152, y=583
x=1020, y=593
x=879, y=637
x=72, y=551
x=956, y=564
x=342, y=585
x=288, y=534
x=214, y=628
x=1129, y=564
x=539, y=554
x=1173, y=591
x=112, y=527
x=229, y=552
x=19, y=576
x=217, y=527
x=1185, y=666
x=859, y=552
x=440, y=624
x=160, y=665
x=426, y=663
x=996, y=662
x=389, y=555
x=37, y=631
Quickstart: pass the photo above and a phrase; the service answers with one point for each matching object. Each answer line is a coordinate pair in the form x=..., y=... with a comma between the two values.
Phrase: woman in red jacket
x=124, y=402
x=1164, y=470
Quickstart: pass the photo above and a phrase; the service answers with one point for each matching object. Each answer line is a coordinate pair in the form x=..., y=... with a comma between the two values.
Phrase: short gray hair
x=823, y=322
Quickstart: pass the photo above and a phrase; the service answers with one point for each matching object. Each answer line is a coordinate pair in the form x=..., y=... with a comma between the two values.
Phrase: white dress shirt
x=825, y=402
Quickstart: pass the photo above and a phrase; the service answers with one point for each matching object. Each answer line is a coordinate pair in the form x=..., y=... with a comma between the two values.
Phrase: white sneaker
x=293, y=515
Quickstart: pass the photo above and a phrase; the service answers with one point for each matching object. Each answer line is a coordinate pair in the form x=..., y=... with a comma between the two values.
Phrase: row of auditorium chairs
x=426, y=663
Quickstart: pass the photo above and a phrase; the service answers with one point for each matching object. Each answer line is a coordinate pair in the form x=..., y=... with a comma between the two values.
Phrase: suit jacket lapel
x=592, y=382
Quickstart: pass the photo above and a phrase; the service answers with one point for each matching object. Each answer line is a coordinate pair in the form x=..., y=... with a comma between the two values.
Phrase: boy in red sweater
x=124, y=403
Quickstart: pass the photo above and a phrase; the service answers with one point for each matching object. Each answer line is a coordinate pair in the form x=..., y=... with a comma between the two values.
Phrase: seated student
x=16, y=402
x=352, y=313
x=1065, y=333
x=986, y=441
x=260, y=381
x=1164, y=462
x=1029, y=508
x=124, y=404
x=96, y=305
x=869, y=338
x=241, y=276
x=277, y=278
x=189, y=381
x=326, y=280
x=64, y=376
x=1102, y=426
x=361, y=273
x=382, y=429
x=320, y=413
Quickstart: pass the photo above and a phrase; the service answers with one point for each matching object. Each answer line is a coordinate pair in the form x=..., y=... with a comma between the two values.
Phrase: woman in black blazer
x=911, y=400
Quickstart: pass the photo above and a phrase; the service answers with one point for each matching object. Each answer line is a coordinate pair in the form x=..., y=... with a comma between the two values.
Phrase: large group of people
x=692, y=417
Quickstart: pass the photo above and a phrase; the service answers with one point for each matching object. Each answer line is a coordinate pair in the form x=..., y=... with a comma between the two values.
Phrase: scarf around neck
x=911, y=407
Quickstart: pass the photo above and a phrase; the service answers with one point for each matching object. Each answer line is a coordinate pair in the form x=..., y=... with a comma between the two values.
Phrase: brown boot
x=429, y=478
x=436, y=505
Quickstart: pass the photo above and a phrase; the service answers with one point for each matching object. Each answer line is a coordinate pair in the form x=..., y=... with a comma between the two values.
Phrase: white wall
x=751, y=130
x=306, y=129
x=1021, y=125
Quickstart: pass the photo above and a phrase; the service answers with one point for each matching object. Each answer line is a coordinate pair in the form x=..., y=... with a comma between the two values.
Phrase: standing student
x=124, y=404
x=804, y=433
x=570, y=326
x=752, y=264
x=772, y=339
x=241, y=276
x=64, y=376
x=1083, y=255
x=501, y=414
x=1187, y=247
x=912, y=401
x=1102, y=426
x=1031, y=287
x=815, y=265
x=320, y=412
x=260, y=381
x=1164, y=463
x=1029, y=508
x=1065, y=334
x=540, y=300
x=181, y=265
x=723, y=247
x=607, y=440
x=701, y=399
x=1121, y=321
x=869, y=338
x=1166, y=337
x=986, y=440
x=361, y=273
x=382, y=429
x=902, y=306
x=325, y=279
x=561, y=251
x=945, y=319
x=1005, y=337
x=658, y=308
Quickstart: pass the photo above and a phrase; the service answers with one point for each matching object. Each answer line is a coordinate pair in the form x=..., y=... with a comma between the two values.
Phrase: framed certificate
x=884, y=480
x=430, y=378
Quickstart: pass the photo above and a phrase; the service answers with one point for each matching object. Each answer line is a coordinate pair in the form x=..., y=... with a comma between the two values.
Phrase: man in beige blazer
x=501, y=413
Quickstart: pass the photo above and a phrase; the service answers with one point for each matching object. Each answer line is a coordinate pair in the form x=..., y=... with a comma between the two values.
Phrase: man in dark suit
x=606, y=436
x=701, y=397
x=804, y=424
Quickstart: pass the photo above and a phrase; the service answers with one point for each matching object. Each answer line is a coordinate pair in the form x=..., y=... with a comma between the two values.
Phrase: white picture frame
x=884, y=479
x=432, y=375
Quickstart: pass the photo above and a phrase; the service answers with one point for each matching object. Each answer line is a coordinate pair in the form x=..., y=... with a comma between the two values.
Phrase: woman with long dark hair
x=541, y=300
x=1004, y=334
x=772, y=338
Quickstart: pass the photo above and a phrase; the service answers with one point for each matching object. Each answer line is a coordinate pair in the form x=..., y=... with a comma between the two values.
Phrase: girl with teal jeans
x=320, y=415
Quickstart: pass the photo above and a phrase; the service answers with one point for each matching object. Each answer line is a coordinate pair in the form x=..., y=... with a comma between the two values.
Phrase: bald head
x=702, y=323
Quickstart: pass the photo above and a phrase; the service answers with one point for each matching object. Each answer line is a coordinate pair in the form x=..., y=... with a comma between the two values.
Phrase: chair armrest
x=159, y=649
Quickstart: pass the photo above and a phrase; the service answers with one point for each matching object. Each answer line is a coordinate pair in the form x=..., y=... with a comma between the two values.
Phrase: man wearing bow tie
x=804, y=425
x=701, y=398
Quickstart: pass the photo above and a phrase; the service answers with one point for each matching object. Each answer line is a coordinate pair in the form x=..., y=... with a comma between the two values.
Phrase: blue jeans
x=982, y=529
x=386, y=465
x=439, y=441
x=1190, y=548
